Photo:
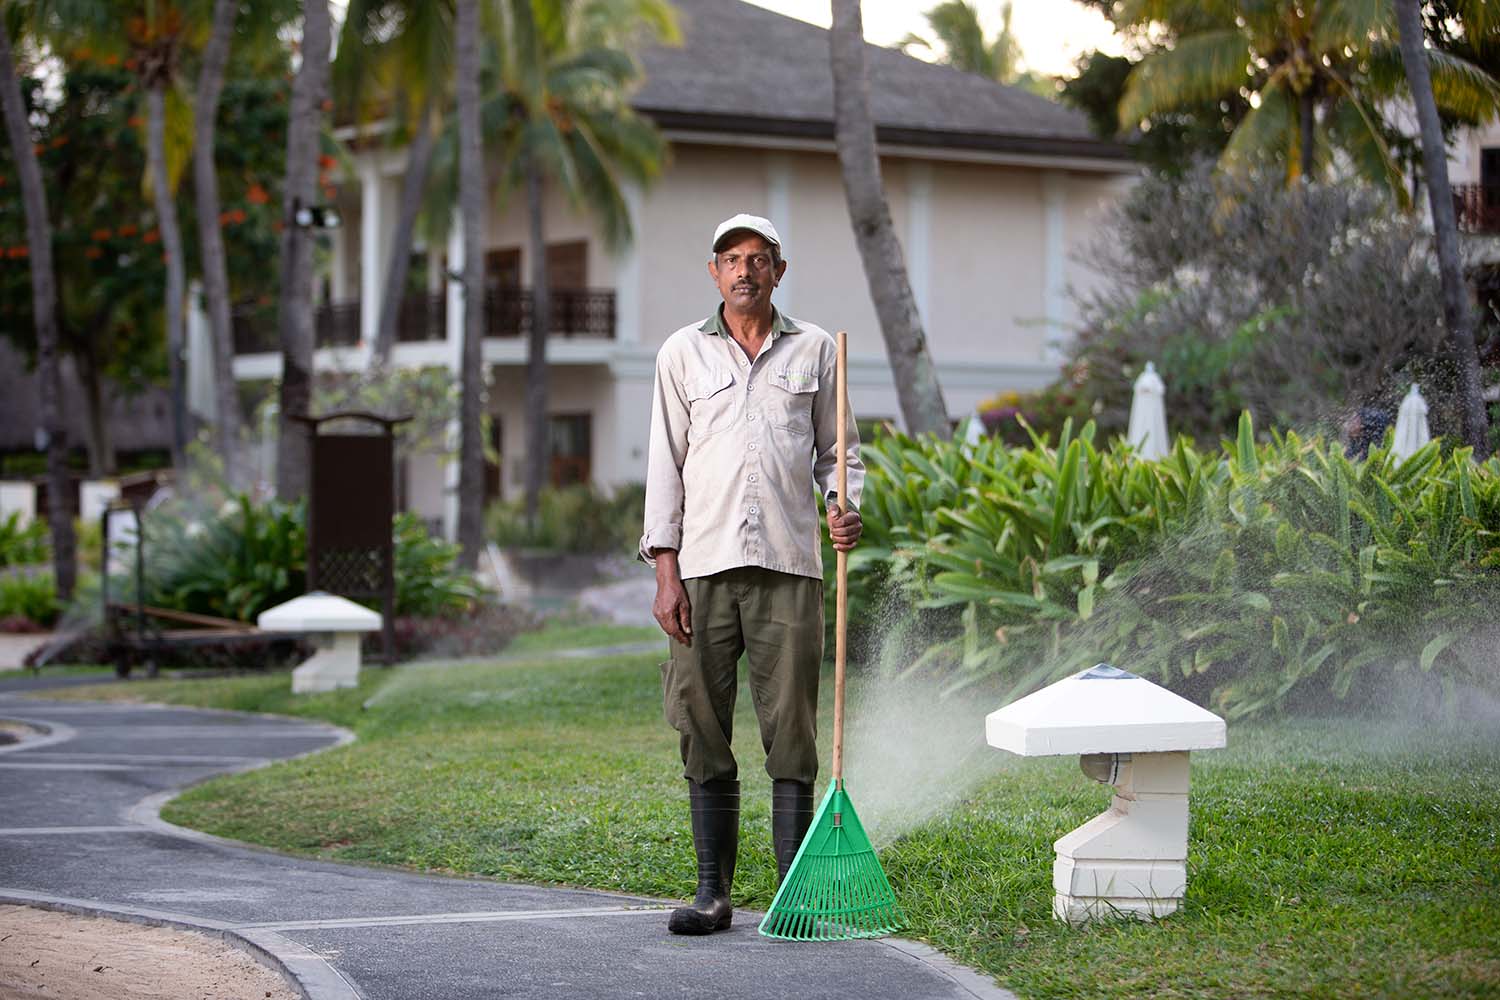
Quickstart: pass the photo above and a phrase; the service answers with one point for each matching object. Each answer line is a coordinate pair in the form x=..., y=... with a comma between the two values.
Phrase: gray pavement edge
x=300, y=967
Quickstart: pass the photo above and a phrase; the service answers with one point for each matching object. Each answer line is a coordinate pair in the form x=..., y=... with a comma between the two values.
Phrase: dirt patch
x=45, y=954
x=14, y=732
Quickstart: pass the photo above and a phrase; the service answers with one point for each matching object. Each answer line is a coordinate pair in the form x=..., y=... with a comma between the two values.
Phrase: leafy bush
x=23, y=544
x=1244, y=578
x=252, y=556
x=28, y=602
x=573, y=519
x=1299, y=304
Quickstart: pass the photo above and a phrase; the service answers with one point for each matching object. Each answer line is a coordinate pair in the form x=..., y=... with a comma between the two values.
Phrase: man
x=743, y=421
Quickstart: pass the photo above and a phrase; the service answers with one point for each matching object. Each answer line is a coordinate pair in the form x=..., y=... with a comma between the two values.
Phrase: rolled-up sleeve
x=667, y=451
x=826, y=442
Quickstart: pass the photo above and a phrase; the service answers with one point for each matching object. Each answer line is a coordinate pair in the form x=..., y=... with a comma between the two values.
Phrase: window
x=570, y=444
x=568, y=265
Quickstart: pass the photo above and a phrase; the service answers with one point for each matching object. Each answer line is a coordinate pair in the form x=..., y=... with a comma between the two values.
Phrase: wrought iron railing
x=1477, y=207
x=588, y=312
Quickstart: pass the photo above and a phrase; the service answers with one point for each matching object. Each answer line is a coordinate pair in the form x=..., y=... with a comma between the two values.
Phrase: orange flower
x=238, y=215
x=257, y=195
x=326, y=162
x=17, y=252
x=93, y=253
x=152, y=236
x=101, y=234
x=135, y=121
x=127, y=230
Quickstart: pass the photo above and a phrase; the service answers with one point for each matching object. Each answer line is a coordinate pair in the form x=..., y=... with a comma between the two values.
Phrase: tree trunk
x=211, y=241
x=472, y=199
x=1307, y=120
x=304, y=128
x=171, y=244
x=44, y=316
x=101, y=443
x=1456, y=311
x=917, y=387
x=413, y=185
x=537, y=452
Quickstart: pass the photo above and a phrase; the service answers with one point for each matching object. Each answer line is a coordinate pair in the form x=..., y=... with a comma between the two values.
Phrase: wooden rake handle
x=841, y=576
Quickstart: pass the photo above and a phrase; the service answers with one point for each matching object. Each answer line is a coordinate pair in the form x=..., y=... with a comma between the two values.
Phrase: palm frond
x=1264, y=133
x=956, y=25
x=1461, y=88
x=1356, y=129
x=1353, y=23
x=1203, y=67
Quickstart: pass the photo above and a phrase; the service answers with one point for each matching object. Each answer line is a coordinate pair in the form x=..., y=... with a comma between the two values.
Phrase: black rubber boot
x=791, y=815
x=716, y=838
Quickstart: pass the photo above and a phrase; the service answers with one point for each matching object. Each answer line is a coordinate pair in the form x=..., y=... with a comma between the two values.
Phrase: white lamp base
x=334, y=665
x=1132, y=858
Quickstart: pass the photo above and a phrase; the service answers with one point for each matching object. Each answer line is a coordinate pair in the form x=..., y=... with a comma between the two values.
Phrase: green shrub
x=29, y=597
x=252, y=556
x=1243, y=578
x=572, y=519
x=22, y=545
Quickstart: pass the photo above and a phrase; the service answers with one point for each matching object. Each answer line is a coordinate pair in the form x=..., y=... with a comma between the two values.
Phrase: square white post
x=1132, y=734
x=335, y=624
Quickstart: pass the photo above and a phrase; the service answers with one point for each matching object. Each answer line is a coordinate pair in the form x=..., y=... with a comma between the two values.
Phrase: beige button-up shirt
x=736, y=447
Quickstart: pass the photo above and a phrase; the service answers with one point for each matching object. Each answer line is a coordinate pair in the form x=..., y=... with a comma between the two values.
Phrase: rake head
x=835, y=889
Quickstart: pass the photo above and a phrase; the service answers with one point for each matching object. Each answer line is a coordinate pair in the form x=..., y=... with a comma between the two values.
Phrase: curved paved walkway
x=79, y=830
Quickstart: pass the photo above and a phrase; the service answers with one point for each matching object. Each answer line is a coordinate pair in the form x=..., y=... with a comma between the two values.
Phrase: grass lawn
x=1347, y=857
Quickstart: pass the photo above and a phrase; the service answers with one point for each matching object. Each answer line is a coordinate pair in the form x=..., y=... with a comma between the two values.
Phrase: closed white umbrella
x=1411, y=425
x=1148, y=416
x=974, y=431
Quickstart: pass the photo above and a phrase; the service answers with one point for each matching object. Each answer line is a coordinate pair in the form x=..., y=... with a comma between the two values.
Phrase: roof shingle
x=744, y=68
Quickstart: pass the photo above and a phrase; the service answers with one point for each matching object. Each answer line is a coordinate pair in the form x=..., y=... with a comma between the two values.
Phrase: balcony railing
x=587, y=312
x=1477, y=207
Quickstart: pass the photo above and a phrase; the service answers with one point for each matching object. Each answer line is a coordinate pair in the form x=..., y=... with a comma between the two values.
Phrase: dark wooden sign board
x=350, y=507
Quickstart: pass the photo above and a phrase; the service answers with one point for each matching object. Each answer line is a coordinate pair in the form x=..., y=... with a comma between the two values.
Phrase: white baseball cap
x=749, y=223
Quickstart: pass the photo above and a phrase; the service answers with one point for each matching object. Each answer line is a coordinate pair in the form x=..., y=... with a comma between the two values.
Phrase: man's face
x=745, y=272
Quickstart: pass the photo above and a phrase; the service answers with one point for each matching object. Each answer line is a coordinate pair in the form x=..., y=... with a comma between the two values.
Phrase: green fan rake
x=835, y=889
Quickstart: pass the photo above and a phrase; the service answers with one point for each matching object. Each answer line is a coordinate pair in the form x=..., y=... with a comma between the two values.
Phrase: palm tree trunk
x=293, y=451
x=471, y=198
x=44, y=317
x=537, y=452
x=101, y=444
x=171, y=244
x=413, y=185
x=917, y=387
x=211, y=239
x=1457, y=314
x=1307, y=121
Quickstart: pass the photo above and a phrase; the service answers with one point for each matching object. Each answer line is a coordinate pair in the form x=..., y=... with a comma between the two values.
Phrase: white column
x=919, y=239
x=1055, y=310
x=628, y=298
x=455, y=365
x=371, y=238
x=779, y=206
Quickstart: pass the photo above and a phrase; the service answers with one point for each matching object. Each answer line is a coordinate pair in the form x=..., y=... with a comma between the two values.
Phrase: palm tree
x=211, y=240
x=1456, y=312
x=303, y=132
x=473, y=203
x=151, y=35
x=564, y=72
x=1316, y=75
x=43, y=311
x=955, y=24
x=917, y=387
x=410, y=69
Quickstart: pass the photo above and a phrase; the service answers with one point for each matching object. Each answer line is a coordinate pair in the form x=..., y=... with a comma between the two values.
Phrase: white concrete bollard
x=1134, y=735
x=335, y=624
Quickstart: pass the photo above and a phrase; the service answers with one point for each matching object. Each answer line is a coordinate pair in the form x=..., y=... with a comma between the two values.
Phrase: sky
x=1052, y=33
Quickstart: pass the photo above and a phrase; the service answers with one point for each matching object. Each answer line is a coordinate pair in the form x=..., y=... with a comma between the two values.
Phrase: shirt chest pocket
x=710, y=407
x=790, y=407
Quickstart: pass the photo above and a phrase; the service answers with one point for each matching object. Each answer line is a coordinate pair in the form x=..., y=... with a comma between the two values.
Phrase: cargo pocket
x=669, y=699
x=710, y=408
x=791, y=408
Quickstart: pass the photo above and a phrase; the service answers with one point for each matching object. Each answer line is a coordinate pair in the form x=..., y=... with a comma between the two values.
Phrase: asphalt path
x=80, y=830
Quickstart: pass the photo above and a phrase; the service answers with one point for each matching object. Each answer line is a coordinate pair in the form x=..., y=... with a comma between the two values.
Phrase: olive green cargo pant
x=778, y=619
